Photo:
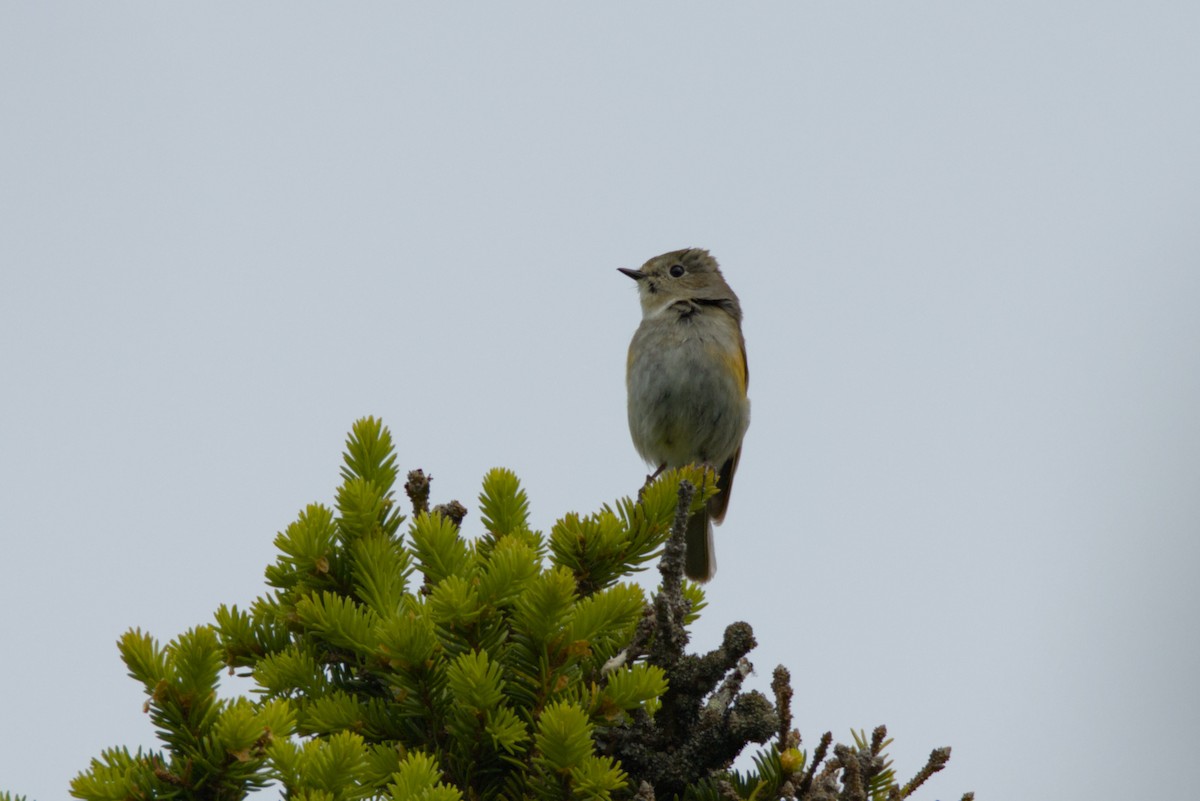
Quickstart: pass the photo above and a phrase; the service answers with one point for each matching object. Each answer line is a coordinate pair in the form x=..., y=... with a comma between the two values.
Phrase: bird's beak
x=636, y=275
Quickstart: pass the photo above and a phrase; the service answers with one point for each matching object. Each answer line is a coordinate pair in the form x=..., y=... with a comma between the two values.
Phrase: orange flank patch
x=735, y=363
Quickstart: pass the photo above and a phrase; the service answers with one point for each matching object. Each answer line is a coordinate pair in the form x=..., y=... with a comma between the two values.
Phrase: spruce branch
x=781, y=686
x=818, y=757
x=513, y=666
x=453, y=511
x=705, y=720
x=670, y=605
x=417, y=489
x=853, y=784
x=878, y=737
x=937, y=760
x=636, y=649
x=671, y=566
x=724, y=697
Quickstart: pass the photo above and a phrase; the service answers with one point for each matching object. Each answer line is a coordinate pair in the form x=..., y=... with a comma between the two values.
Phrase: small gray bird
x=686, y=377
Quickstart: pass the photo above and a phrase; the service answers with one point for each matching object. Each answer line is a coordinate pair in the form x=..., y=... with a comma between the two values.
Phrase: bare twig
x=937, y=760
x=781, y=685
x=417, y=489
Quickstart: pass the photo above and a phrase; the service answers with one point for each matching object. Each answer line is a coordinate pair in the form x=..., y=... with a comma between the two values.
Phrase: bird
x=686, y=378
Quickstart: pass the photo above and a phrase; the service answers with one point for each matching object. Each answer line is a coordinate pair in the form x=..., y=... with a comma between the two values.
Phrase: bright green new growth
x=420, y=665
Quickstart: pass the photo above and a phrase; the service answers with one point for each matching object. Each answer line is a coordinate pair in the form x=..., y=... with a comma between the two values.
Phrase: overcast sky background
x=965, y=237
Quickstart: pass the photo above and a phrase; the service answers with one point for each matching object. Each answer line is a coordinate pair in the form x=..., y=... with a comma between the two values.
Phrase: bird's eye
x=676, y=270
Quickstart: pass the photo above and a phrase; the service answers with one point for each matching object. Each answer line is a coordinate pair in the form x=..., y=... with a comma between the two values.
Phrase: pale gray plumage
x=686, y=379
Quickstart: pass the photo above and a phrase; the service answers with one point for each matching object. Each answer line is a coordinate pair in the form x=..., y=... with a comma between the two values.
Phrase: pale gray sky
x=964, y=235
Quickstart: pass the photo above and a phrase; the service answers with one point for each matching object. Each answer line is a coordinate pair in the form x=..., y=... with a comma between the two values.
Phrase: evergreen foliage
x=418, y=664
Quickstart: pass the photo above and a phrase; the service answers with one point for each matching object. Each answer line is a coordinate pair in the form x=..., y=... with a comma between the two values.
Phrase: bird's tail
x=700, y=560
